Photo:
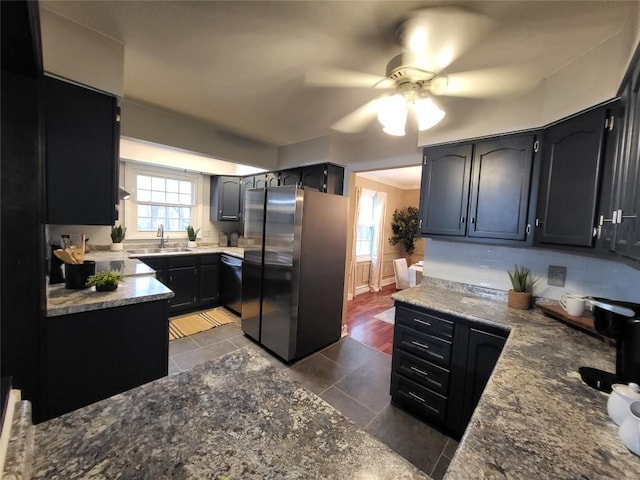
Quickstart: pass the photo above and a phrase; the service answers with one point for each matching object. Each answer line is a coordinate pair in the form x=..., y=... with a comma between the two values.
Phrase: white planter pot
x=117, y=247
x=191, y=244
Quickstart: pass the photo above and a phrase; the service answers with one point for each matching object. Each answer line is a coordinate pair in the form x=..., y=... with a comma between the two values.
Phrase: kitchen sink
x=157, y=251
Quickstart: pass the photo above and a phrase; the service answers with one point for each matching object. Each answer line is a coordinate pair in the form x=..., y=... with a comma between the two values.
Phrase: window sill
x=363, y=258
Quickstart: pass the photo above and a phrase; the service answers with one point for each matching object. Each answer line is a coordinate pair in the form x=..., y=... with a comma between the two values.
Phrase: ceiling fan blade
x=488, y=83
x=434, y=37
x=357, y=120
x=336, y=77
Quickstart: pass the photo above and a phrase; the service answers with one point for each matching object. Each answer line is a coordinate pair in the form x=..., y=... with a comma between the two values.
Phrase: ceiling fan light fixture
x=392, y=114
x=427, y=113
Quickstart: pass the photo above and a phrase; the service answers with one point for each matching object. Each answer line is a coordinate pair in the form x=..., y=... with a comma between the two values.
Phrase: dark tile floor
x=350, y=376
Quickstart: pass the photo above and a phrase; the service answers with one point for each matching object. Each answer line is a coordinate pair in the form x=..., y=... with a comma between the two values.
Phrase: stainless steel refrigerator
x=293, y=269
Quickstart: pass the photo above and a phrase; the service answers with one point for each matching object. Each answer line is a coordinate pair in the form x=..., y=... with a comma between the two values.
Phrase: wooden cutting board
x=584, y=323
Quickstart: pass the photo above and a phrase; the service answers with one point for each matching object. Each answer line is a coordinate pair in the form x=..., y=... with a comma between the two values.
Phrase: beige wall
x=396, y=199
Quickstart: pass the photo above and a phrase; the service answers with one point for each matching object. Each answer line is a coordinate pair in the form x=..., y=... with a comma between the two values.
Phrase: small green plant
x=111, y=277
x=521, y=279
x=118, y=233
x=405, y=228
x=192, y=234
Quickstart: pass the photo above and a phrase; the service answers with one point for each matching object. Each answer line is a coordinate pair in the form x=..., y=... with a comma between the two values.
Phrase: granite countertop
x=536, y=418
x=134, y=289
x=235, y=418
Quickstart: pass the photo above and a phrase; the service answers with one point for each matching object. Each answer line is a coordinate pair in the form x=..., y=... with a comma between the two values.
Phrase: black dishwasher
x=231, y=283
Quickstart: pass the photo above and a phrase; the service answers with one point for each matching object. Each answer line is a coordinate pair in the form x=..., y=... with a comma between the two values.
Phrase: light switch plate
x=556, y=275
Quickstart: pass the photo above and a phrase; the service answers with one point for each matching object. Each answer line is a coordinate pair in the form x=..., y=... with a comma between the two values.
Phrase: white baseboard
x=387, y=281
x=361, y=289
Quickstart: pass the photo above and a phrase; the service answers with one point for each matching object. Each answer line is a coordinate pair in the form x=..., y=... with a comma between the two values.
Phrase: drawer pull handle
x=426, y=376
x=421, y=372
x=417, y=397
x=423, y=401
x=422, y=322
x=421, y=345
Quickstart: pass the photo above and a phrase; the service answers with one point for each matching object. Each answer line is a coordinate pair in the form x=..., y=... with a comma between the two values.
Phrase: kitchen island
x=238, y=417
x=536, y=418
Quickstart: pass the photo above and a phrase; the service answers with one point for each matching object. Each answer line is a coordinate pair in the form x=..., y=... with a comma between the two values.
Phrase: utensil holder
x=76, y=275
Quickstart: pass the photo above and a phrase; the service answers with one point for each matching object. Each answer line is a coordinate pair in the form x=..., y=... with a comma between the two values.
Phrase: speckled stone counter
x=236, y=417
x=536, y=418
x=135, y=289
x=19, y=460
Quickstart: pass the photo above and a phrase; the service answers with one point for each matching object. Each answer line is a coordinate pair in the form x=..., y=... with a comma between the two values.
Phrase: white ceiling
x=241, y=64
x=406, y=178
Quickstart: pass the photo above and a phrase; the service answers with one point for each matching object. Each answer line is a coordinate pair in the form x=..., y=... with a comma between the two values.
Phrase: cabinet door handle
x=171, y=278
x=420, y=223
x=461, y=219
x=539, y=222
x=473, y=220
x=528, y=229
x=622, y=217
x=418, y=344
x=602, y=220
x=422, y=322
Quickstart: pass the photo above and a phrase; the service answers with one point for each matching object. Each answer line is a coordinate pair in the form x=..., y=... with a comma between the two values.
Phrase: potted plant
x=105, y=281
x=405, y=228
x=522, y=282
x=192, y=234
x=117, y=236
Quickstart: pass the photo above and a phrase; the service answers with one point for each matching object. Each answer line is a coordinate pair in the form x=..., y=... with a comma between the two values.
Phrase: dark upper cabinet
x=291, y=176
x=611, y=168
x=266, y=180
x=445, y=189
x=81, y=154
x=225, y=199
x=482, y=354
x=313, y=176
x=478, y=190
x=627, y=214
x=325, y=177
x=500, y=184
x=570, y=175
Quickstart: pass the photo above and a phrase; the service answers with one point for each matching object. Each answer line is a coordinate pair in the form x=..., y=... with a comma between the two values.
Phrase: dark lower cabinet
x=184, y=283
x=482, y=354
x=194, y=279
x=210, y=283
x=89, y=356
x=440, y=365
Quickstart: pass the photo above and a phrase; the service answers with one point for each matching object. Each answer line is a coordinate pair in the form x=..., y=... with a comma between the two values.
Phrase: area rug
x=186, y=325
x=387, y=316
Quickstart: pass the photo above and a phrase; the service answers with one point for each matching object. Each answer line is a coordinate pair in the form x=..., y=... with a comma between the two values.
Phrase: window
x=166, y=201
x=160, y=196
x=366, y=224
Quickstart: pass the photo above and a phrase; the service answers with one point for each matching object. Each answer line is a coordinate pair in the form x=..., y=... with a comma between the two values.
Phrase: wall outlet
x=556, y=275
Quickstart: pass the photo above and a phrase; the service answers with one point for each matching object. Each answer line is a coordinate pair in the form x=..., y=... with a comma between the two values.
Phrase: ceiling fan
x=431, y=39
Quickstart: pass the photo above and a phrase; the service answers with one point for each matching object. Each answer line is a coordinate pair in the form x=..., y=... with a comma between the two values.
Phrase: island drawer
x=424, y=346
x=424, y=322
x=418, y=399
x=425, y=373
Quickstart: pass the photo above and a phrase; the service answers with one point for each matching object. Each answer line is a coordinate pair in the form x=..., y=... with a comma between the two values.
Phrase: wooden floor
x=361, y=325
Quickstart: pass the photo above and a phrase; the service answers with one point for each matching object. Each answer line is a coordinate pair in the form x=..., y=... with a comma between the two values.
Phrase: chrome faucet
x=161, y=235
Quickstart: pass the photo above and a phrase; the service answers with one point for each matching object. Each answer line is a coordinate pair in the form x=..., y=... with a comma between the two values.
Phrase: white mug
x=572, y=304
